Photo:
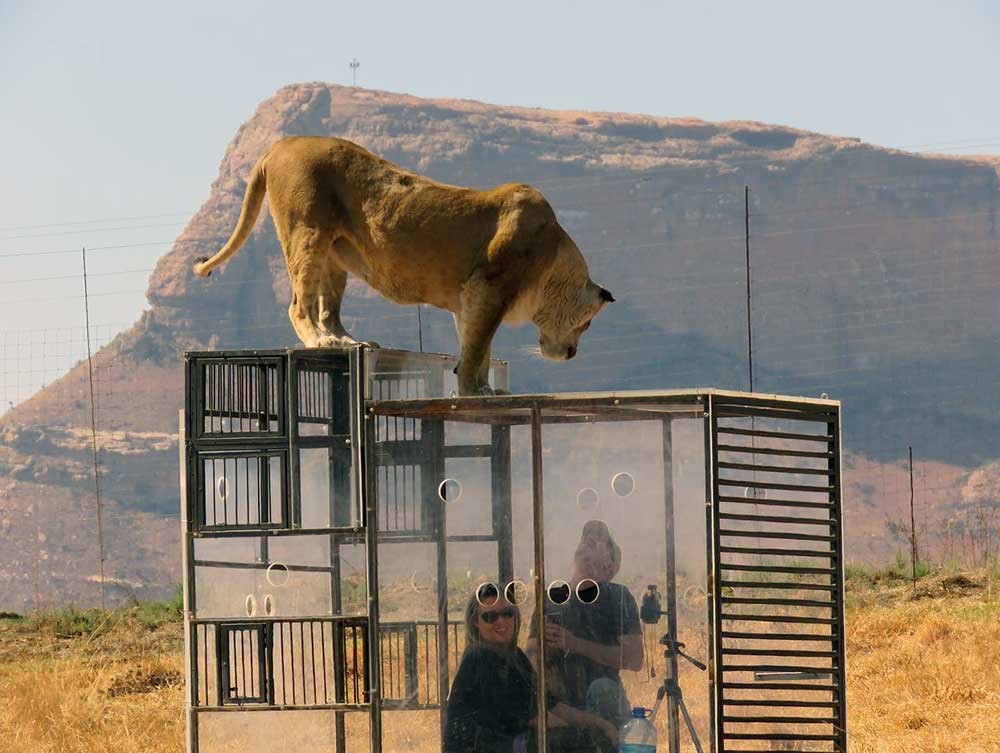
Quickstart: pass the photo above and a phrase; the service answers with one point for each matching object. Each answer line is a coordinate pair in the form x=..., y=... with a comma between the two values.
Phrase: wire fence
x=913, y=320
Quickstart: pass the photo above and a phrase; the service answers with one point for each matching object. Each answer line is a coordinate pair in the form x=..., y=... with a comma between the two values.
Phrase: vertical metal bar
x=323, y=665
x=240, y=672
x=292, y=512
x=362, y=438
x=302, y=659
x=412, y=684
x=500, y=484
x=239, y=394
x=221, y=666
x=269, y=654
x=539, y=533
x=714, y=577
x=669, y=538
x=312, y=658
x=204, y=634
x=187, y=568
x=284, y=676
x=834, y=465
x=339, y=484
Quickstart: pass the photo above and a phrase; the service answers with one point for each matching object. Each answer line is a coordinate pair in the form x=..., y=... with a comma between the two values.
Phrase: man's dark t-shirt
x=613, y=615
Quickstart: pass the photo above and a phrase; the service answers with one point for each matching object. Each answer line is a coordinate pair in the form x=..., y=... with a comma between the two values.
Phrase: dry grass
x=924, y=677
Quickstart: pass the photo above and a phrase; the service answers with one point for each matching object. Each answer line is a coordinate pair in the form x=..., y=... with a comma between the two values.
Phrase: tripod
x=670, y=689
x=650, y=613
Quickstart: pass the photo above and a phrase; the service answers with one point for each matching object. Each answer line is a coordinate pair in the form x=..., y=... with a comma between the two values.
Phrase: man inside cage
x=595, y=633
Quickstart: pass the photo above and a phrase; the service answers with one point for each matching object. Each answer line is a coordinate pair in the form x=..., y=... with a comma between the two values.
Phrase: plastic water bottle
x=638, y=735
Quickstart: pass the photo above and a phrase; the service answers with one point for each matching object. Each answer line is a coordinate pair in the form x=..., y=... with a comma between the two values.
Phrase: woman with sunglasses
x=492, y=706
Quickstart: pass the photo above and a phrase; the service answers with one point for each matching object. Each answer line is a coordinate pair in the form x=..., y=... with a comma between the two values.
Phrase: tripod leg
x=690, y=724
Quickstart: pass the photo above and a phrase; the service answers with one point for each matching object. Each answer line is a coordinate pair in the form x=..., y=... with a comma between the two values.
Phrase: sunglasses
x=490, y=617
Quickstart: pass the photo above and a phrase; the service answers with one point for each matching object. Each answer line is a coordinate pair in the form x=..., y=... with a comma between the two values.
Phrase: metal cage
x=328, y=492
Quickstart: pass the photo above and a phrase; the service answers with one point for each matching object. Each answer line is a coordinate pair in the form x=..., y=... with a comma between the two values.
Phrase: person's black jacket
x=491, y=702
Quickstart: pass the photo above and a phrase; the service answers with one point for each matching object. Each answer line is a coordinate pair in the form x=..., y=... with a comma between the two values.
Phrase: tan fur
x=486, y=256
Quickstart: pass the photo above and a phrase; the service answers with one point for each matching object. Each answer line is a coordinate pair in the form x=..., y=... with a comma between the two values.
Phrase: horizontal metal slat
x=778, y=519
x=777, y=552
x=775, y=486
x=779, y=720
x=777, y=736
x=777, y=668
x=750, y=449
x=776, y=502
x=774, y=750
x=779, y=568
x=778, y=703
x=776, y=535
x=774, y=469
x=777, y=636
x=783, y=652
x=825, y=438
x=788, y=586
x=824, y=688
x=821, y=604
x=741, y=411
x=791, y=619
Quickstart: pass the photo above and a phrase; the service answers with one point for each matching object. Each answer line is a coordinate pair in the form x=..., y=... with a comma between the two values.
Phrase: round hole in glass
x=559, y=592
x=587, y=499
x=587, y=591
x=623, y=484
x=449, y=491
x=487, y=593
x=277, y=574
x=516, y=592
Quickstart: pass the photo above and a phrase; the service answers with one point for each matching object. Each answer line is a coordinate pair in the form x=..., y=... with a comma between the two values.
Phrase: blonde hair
x=473, y=638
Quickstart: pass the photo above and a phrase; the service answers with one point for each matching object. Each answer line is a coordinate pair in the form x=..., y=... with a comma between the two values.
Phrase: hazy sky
x=121, y=110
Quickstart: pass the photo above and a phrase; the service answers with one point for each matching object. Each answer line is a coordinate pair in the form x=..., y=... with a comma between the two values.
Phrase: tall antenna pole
x=746, y=218
x=420, y=330
x=93, y=430
x=913, y=526
x=354, y=65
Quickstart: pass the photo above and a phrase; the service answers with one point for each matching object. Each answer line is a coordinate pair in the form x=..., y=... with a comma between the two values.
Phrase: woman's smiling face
x=497, y=621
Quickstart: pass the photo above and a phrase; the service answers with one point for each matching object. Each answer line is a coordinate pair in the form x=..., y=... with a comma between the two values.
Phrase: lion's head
x=570, y=300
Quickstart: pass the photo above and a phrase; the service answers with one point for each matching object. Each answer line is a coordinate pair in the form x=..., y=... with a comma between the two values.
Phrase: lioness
x=487, y=256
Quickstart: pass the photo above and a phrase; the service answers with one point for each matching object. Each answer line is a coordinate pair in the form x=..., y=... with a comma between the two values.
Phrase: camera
x=651, y=609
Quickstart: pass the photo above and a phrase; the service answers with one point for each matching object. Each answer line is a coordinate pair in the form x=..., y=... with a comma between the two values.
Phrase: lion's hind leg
x=318, y=285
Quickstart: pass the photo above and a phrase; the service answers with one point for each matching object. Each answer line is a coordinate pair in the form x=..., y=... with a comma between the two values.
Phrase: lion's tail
x=252, y=199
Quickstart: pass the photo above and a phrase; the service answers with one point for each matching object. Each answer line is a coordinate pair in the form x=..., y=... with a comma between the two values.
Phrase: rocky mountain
x=874, y=276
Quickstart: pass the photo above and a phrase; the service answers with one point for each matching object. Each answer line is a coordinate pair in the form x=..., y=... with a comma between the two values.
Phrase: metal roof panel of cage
x=572, y=407
x=388, y=353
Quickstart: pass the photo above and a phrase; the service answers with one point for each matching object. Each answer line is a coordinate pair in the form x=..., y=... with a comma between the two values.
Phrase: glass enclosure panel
x=281, y=732
x=472, y=548
x=625, y=571
x=291, y=576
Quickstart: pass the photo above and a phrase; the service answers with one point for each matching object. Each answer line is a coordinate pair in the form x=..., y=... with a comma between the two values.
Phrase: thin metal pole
x=420, y=330
x=539, y=534
x=913, y=526
x=746, y=219
x=93, y=430
x=670, y=591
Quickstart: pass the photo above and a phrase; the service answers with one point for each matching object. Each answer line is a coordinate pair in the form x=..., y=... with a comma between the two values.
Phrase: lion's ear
x=606, y=296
